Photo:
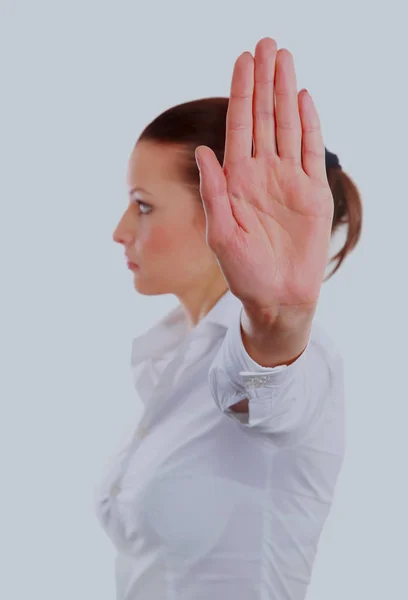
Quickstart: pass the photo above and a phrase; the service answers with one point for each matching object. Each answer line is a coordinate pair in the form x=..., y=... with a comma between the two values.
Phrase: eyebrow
x=139, y=189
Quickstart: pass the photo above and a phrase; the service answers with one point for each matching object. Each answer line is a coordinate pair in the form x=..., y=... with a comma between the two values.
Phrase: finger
x=238, y=143
x=313, y=151
x=288, y=126
x=264, y=101
x=214, y=193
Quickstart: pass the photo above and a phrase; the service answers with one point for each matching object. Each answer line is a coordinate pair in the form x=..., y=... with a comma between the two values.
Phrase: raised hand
x=269, y=212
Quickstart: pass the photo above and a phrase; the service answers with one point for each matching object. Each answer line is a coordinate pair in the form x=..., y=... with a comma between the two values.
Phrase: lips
x=132, y=265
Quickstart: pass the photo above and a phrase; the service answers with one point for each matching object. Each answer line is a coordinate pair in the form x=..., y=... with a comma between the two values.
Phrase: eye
x=143, y=207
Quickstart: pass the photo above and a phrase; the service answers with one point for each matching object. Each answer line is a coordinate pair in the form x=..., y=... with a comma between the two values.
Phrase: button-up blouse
x=204, y=503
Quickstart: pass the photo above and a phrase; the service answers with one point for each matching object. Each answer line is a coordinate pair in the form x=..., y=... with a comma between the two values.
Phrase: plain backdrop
x=79, y=81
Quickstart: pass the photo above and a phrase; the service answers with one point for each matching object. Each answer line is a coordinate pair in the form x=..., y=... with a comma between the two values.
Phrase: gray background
x=79, y=80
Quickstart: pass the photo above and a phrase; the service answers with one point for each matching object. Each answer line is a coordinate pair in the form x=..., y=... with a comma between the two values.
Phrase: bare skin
x=163, y=231
x=270, y=212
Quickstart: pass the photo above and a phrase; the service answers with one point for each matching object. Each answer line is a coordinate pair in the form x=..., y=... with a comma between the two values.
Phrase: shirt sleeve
x=283, y=399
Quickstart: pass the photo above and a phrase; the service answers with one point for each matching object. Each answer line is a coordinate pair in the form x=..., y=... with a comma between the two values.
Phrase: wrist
x=274, y=340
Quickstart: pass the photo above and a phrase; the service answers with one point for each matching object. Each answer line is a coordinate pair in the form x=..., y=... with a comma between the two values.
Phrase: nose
x=123, y=233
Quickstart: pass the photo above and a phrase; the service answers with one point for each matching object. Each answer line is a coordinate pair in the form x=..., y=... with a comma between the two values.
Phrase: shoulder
x=323, y=343
x=324, y=363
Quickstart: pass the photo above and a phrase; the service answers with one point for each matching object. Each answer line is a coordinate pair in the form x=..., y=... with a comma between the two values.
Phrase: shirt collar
x=173, y=328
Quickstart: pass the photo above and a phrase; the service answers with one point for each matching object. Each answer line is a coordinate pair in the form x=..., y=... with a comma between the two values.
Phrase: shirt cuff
x=242, y=369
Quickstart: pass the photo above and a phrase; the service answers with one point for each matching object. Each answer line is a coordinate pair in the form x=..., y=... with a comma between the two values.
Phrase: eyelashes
x=144, y=208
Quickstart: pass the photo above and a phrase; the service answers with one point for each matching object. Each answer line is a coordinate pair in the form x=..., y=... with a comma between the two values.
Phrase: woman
x=224, y=488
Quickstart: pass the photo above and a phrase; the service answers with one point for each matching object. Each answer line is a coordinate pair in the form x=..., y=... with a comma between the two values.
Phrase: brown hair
x=203, y=122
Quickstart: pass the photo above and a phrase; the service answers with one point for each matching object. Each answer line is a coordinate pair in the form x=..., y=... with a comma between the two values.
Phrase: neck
x=199, y=300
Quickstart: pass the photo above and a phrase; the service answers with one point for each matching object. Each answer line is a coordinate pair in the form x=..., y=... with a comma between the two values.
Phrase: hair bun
x=332, y=160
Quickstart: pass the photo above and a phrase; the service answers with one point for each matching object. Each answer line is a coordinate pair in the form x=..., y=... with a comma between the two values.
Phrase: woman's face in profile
x=163, y=229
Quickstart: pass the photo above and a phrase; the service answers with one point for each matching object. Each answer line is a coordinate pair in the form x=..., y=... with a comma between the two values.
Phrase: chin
x=148, y=290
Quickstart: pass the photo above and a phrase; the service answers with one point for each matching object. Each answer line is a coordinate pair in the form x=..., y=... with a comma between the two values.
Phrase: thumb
x=214, y=193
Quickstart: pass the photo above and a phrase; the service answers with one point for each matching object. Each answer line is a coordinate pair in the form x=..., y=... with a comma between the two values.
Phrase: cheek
x=174, y=241
x=161, y=241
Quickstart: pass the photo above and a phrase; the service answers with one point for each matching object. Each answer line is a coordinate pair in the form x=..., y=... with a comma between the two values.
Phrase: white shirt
x=207, y=504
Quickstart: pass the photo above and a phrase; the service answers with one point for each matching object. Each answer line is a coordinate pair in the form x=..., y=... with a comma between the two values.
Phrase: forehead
x=153, y=162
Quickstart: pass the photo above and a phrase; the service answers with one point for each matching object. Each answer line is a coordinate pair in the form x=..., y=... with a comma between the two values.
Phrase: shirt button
x=115, y=489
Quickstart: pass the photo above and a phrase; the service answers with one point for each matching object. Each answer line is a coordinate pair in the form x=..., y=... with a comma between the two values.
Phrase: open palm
x=269, y=209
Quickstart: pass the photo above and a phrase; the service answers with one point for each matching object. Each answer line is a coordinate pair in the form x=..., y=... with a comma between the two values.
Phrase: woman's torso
x=199, y=507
